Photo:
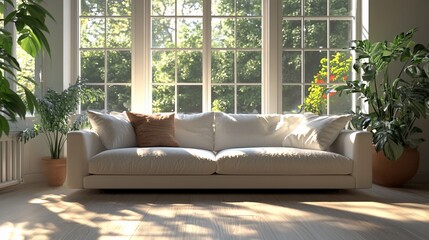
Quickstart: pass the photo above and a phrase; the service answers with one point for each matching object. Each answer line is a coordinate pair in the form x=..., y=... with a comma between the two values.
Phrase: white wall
x=388, y=18
x=55, y=75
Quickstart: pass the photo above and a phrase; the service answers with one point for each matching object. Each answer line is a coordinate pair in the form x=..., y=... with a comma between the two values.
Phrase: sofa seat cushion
x=154, y=161
x=281, y=161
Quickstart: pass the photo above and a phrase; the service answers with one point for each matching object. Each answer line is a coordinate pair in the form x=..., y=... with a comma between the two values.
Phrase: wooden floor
x=39, y=212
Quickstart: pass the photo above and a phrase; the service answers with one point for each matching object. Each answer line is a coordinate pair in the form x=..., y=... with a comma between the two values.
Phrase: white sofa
x=222, y=151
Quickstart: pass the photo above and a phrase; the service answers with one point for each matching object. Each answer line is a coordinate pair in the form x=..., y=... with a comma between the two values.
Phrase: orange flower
x=332, y=78
x=330, y=94
x=320, y=81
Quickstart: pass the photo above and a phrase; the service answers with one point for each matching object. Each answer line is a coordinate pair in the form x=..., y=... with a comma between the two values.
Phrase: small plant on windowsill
x=55, y=112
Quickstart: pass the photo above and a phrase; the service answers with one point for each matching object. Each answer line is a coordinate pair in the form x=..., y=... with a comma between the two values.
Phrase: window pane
x=249, y=7
x=249, y=99
x=223, y=99
x=119, y=33
x=222, y=66
x=189, y=99
x=291, y=71
x=190, y=32
x=27, y=65
x=119, y=7
x=119, y=66
x=223, y=7
x=190, y=8
x=340, y=7
x=223, y=33
x=92, y=33
x=315, y=7
x=315, y=34
x=118, y=98
x=291, y=31
x=249, y=67
x=163, y=66
x=339, y=104
x=341, y=34
x=249, y=33
x=291, y=99
x=291, y=7
x=98, y=105
x=190, y=66
x=163, y=98
x=163, y=7
x=163, y=30
x=92, y=66
x=92, y=7
x=313, y=66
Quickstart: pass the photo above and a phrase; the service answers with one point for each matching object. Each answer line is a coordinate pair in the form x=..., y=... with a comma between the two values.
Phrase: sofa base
x=219, y=182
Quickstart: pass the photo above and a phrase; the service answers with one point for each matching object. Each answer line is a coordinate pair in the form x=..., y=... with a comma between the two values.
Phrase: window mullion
x=207, y=106
x=272, y=58
x=141, y=54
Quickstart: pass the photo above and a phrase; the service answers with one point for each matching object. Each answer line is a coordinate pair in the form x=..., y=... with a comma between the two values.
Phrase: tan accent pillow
x=153, y=130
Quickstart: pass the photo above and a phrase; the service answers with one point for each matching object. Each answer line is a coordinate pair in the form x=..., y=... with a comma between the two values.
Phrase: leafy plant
x=55, y=113
x=395, y=102
x=29, y=21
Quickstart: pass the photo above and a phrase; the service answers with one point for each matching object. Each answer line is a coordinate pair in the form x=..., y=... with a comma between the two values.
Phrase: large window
x=177, y=56
x=236, y=56
x=201, y=55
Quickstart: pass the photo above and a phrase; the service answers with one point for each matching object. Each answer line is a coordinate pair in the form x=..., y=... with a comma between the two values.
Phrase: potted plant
x=55, y=112
x=28, y=19
x=397, y=97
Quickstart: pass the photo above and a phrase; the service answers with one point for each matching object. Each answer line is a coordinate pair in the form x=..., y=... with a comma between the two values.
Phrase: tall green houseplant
x=28, y=18
x=55, y=114
x=393, y=78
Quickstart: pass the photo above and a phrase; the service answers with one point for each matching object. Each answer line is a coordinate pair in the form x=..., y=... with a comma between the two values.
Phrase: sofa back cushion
x=195, y=130
x=253, y=130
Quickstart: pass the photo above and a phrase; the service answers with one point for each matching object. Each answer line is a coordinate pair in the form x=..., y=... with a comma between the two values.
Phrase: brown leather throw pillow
x=153, y=130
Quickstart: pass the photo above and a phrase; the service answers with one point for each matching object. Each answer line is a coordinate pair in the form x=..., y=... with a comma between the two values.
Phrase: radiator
x=10, y=160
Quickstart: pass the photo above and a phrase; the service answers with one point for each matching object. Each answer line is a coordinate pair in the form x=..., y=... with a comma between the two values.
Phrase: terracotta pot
x=55, y=171
x=394, y=173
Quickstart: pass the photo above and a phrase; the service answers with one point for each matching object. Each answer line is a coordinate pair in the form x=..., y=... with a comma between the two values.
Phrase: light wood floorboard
x=35, y=211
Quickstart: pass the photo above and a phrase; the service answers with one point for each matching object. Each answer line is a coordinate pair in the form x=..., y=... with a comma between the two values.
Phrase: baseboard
x=421, y=177
x=33, y=178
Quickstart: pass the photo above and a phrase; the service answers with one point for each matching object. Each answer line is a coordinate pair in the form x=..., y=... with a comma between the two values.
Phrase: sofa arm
x=81, y=146
x=357, y=146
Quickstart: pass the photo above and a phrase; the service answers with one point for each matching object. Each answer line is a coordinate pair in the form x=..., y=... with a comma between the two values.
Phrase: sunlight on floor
x=26, y=230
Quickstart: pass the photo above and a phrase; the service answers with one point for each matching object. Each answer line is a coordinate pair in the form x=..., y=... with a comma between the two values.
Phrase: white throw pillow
x=114, y=131
x=316, y=132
